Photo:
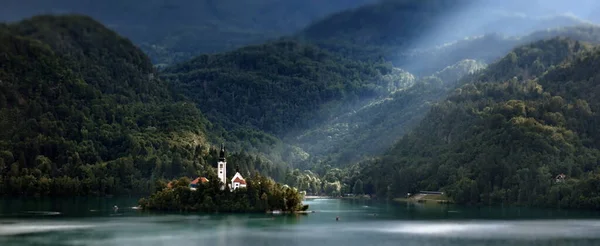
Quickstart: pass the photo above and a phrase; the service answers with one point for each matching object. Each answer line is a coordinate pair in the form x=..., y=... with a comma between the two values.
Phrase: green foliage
x=85, y=113
x=261, y=194
x=504, y=136
x=370, y=128
x=275, y=87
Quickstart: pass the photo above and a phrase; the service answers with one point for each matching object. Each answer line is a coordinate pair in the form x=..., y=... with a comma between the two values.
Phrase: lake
x=92, y=221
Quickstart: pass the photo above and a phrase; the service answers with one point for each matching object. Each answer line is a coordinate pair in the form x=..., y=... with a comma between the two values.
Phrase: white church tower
x=222, y=166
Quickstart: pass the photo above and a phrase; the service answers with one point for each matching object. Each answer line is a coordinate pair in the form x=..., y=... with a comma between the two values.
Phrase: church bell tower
x=222, y=166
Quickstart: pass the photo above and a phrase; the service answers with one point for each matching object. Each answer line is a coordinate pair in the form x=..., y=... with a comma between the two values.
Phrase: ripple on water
x=547, y=229
x=21, y=228
x=42, y=213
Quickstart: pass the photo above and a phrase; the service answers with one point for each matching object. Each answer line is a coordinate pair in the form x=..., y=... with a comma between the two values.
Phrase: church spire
x=222, y=153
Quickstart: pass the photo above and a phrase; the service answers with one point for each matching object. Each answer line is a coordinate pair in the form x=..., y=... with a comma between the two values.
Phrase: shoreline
x=317, y=197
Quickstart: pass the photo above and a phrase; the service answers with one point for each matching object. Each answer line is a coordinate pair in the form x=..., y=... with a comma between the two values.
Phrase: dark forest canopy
x=275, y=87
x=82, y=112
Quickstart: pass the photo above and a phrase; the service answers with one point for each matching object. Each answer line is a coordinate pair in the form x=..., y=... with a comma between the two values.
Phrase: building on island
x=238, y=181
x=193, y=185
x=195, y=182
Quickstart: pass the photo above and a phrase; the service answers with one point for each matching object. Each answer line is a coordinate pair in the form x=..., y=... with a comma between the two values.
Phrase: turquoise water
x=80, y=221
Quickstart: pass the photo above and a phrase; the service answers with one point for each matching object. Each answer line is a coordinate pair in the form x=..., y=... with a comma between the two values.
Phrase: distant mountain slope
x=177, y=30
x=396, y=23
x=425, y=36
x=369, y=130
x=487, y=48
x=504, y=137
x=317, y=101
x=276, y=87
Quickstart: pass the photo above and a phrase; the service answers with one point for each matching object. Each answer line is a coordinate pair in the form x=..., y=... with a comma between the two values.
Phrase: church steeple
x=222, y=153
x=222, y=166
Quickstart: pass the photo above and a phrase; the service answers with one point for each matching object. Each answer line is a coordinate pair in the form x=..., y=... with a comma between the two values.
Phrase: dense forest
x=506, y=135
x=276, y=87
x=83, y=112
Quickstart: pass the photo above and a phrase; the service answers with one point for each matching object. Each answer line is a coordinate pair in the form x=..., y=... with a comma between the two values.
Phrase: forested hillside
x=177, y=30
x=277, y=87
x=82, y=111
x=506, y=134
x=369, y=130
x=335, y=109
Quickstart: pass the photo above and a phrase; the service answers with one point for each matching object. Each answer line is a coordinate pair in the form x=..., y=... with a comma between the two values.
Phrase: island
x=215, y=193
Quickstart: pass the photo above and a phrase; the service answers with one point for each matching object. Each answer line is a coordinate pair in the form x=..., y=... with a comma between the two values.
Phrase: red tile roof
x=200, y=179
x=239, y=180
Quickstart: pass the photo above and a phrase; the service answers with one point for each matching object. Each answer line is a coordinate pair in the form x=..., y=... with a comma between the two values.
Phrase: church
x=237, y=181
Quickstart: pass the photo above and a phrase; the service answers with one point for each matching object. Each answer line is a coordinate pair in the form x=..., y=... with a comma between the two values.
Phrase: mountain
x=370, y=129
x=276, y=87
x=318, y=107
x=384, y=23
x=83, y=112
x=504, y=136
x=400, y=31
x=407, y=23
x=177, y=30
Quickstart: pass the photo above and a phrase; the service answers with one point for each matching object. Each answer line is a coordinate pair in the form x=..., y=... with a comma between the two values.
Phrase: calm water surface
x=80, y=221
